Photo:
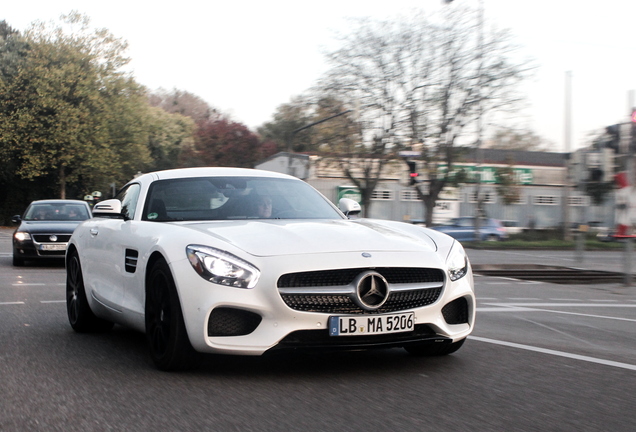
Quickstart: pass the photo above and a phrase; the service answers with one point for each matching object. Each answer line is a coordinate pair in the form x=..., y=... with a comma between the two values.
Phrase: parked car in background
x=512, y=227
x=238, y=261
x=463, y=229
x=45, y=229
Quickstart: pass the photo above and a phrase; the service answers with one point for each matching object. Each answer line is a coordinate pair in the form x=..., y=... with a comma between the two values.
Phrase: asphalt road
x=543, y=357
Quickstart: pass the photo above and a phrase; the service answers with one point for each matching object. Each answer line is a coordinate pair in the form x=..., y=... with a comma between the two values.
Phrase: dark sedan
x=45, y=229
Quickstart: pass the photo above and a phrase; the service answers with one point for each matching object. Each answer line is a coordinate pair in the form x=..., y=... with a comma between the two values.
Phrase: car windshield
x=57, y=212
x=227, y=198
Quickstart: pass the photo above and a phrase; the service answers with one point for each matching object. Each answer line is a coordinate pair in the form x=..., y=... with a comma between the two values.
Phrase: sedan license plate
x=371, y=324
x=54, y=247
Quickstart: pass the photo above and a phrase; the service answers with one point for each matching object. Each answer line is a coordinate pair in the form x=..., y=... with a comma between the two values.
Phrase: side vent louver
x=131, y=260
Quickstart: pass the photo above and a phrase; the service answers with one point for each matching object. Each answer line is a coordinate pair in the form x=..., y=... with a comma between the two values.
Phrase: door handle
x=94, y=231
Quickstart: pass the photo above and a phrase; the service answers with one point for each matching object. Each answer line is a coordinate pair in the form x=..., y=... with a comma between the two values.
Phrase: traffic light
x=596, y=175
x=413, y=174
x=614, y=137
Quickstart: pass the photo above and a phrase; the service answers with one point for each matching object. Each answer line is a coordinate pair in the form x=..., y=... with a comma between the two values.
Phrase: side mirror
x=110, y=208
x=16, y=219
x=349, y=207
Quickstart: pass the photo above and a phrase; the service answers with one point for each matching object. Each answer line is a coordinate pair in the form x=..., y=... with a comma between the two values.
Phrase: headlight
x=221, y=267
x=457, y=262
x=22, y=236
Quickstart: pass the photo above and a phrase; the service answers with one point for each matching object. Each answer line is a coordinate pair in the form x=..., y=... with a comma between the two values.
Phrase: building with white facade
x=541, y=180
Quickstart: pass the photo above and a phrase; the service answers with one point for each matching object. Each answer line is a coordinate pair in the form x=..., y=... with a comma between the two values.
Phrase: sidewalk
x=612, y=261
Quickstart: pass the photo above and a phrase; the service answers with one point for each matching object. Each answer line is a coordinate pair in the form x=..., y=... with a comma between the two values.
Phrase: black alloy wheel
x=167, y=337
x=80, y=315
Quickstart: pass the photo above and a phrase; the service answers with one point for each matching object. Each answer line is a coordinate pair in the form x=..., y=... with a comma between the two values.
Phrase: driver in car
x=264, y=207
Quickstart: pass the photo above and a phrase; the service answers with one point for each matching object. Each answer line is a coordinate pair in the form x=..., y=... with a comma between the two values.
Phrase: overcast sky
x=248, y=57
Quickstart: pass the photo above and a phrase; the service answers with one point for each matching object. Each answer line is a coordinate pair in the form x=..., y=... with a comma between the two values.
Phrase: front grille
x=333, y=291
x=225, y=321
x=343, y=277
x=343, y=304
x=456, y=312
x=46, y=238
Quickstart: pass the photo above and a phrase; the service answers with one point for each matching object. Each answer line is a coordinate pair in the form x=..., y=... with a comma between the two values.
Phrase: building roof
x=516, y=157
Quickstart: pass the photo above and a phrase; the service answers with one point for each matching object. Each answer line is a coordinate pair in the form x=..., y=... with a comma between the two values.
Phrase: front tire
x=18, y=262
x=80, y=315
x=434, y=349
x=166, y=334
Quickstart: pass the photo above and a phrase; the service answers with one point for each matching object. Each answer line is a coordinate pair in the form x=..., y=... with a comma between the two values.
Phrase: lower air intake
x=232, y=322
x=456, y=312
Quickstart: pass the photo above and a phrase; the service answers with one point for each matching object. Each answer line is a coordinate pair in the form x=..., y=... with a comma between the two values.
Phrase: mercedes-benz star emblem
x=372, y=290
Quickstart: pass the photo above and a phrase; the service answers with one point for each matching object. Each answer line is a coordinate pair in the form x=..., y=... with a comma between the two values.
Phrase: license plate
x=53, y=247
x=370, y=324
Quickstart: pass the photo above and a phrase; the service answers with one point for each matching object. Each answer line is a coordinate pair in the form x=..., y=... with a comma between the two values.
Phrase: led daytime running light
x=222, y=268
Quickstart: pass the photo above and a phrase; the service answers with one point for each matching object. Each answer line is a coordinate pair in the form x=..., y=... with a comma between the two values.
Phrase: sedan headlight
x=457, y=262
x=22, y=236
x=221, y=267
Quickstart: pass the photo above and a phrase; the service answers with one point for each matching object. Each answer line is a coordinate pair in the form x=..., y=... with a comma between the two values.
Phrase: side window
x=128, y=198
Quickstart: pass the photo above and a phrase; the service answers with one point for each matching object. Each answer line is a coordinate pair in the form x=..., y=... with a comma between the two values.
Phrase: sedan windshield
x=57, y=212
x=228, y=198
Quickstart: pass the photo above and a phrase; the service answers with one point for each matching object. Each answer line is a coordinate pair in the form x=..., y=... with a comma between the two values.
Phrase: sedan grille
x=334, y=291
x=46, y=238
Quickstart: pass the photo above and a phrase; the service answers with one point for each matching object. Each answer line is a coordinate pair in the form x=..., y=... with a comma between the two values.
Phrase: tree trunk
x=62, y=183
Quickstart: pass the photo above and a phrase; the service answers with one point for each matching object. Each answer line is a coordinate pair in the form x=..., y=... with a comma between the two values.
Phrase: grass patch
x=546, y=239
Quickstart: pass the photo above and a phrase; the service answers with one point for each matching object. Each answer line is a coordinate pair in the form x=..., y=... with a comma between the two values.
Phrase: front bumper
x=253, y=321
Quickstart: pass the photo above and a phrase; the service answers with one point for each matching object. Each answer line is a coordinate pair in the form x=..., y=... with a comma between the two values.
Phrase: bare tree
x=422, y=83
x=184, y=103
x=508, y=138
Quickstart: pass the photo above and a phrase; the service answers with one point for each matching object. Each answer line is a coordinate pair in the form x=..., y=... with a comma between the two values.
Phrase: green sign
x=523, y=176
x=350, y=192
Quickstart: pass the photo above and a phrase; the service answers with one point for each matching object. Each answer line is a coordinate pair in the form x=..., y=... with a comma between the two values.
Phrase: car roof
x=215, y=172
x=59, y=201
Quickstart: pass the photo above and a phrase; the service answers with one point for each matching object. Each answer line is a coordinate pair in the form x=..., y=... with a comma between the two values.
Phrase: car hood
x=35, y=227
x=293, y=237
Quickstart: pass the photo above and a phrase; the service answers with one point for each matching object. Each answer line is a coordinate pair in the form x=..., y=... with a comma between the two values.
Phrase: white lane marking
x=603, y=305
x=28, y=284
x=52, y=301
x=523, y=298
x=502, y=309
x=520, y=308
x=517, y=281
x=557, y=353
x=11, y=303
x=565, y=299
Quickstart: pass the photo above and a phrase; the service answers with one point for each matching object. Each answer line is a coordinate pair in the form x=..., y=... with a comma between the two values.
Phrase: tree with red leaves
x=222, y=142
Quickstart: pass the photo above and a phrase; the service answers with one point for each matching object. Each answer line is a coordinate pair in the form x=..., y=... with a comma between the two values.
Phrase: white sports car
x=239, y=261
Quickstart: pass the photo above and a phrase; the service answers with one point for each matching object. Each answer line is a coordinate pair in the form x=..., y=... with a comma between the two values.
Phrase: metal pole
x=627, y=262
x=567, y=235
x=480, y=112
